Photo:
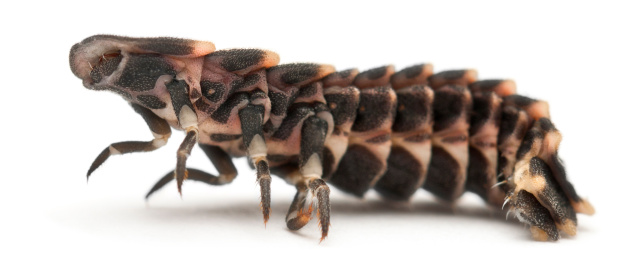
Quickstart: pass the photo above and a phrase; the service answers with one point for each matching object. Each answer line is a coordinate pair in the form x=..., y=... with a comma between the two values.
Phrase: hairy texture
x=392, y=131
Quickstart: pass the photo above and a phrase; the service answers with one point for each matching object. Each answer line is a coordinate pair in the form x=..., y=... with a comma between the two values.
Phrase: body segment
x=392, y=131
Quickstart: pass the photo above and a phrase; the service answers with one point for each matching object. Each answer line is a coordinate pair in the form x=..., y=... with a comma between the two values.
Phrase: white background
x=574, y=55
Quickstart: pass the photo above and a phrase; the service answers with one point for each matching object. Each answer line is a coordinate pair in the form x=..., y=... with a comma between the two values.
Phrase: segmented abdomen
x=391, y=131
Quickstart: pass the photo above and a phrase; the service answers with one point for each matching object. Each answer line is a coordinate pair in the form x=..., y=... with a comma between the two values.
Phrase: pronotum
x=394, y=132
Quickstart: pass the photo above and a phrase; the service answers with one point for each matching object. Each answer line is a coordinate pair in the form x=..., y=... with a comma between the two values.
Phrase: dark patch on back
x=546, y=125
x=143, y=70
x=340, y=78
x=484, y=85
x=358, y=167
x=412, y=71
x=412, y=111
x=477, y=177
x=519, y=100
x=375, y=107
x=448, y=105
x=449, y=75
x=402, y=176
x=222, y=114
x=345, y=109
x=509, y=120
x=167, y=45
x=239, y=59
x=293, y=73
x=442, y=175
x=213, y=91
x=374, y=73
x=482, y=109
x=219, y=137
x=151, y=102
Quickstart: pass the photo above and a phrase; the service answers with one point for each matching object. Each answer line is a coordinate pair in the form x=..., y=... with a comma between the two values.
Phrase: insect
x=394, y=132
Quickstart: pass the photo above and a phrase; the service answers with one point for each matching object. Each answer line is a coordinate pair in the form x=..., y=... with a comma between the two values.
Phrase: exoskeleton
x=391, y=131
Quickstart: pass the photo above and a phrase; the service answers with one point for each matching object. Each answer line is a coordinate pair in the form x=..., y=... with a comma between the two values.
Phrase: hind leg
x=313, y=195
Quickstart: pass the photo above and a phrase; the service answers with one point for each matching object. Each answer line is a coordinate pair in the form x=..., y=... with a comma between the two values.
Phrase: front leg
x=161, y=132
x=252, y=126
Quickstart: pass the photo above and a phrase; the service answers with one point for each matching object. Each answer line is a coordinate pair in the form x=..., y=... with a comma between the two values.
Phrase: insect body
x=391, y=131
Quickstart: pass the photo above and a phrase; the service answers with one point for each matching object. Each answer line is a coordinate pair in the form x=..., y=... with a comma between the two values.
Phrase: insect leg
x=220, y=160
x=314, y=131
x=252, y=124
x=161, y=131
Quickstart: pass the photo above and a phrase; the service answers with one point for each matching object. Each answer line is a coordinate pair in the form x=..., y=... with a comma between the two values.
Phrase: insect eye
x=106, y=65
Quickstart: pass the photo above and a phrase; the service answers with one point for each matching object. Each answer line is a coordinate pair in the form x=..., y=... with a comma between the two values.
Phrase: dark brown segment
x=535, y=109
x=375, y=77
x=142, y=71
x=510, y=124
x=501, y=87
x=151, y=102
x=400, y=181
x=477, y=175
x=297, y=74
x=414, y=108
x=442, y=176
x=453, y=77
x=356, y=170
x=238, y=59
x=343, y=104
x=483, y=110
x=552, y=196
x=530, y=212
x=450, y=103
x=413, y=75
x=376, y=105
x=341, y=78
